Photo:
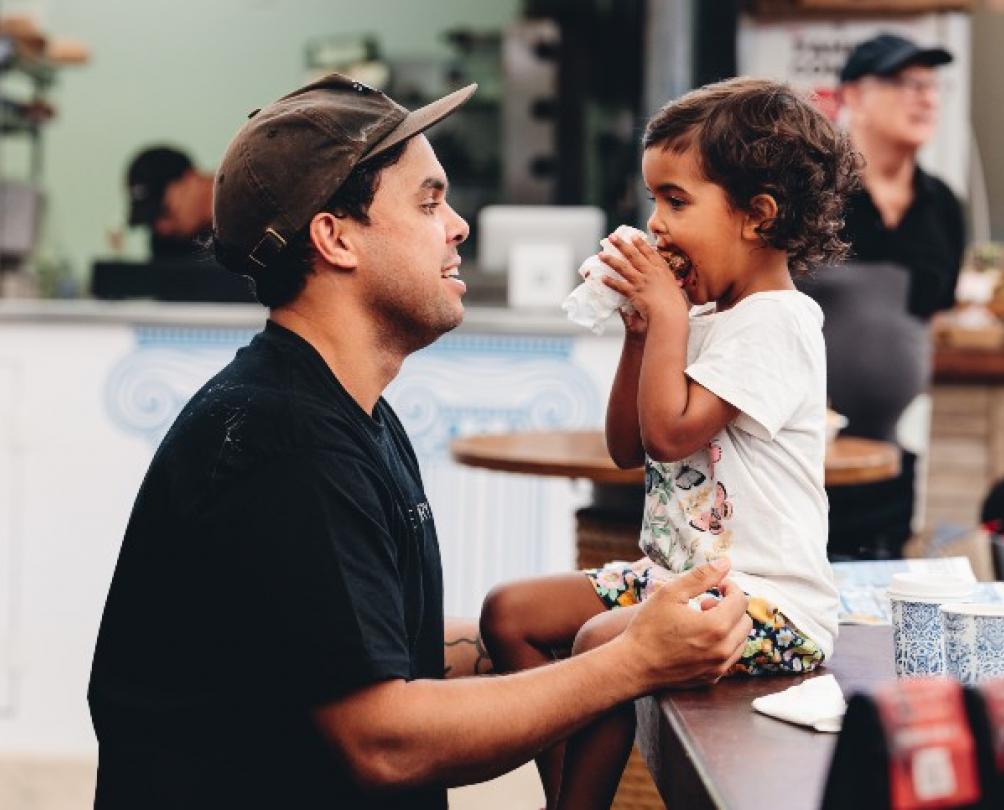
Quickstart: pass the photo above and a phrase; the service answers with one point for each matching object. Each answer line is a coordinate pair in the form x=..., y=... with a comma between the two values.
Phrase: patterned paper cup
x=916, y=619
x=973, y=641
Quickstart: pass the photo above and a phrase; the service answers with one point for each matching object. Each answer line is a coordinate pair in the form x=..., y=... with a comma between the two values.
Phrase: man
x=172, y=198
x=273, y=635
x=906, y=233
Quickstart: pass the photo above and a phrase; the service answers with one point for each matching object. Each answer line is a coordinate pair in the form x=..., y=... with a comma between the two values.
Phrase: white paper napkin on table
x=817, y=703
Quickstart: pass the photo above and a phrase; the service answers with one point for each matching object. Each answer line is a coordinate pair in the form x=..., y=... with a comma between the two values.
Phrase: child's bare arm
x=623, y=430
x=676, y=416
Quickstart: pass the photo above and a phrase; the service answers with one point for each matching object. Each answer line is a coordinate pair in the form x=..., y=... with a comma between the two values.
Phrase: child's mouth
x=678, y=263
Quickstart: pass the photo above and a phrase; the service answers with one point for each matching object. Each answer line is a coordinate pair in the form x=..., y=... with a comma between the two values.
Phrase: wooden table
x=708, y=749
x=583, y=454
x=608, y=528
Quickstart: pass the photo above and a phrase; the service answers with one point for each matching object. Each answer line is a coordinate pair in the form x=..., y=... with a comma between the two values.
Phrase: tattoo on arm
x=482, y=663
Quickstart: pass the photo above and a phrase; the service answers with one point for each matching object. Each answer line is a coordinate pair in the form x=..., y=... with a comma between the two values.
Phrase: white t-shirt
x=755, y=493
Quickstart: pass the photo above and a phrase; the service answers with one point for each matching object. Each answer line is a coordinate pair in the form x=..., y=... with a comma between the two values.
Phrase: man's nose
x=458, y=229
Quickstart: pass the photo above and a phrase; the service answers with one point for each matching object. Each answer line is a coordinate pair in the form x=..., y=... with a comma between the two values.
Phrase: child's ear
x=760, y=214
x=332, y=238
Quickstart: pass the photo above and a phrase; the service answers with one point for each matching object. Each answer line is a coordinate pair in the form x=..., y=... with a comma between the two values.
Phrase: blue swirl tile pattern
x=460, y=385
x=492, y=526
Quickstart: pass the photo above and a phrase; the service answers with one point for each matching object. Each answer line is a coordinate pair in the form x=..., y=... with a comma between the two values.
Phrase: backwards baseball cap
x=886, y=54
x=148, y=177
x=290, y=157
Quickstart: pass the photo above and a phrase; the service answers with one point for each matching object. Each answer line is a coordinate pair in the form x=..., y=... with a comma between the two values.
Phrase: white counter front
x=88, y=389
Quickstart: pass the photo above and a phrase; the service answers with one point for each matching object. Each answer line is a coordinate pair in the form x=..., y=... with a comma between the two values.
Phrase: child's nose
x=653, y=224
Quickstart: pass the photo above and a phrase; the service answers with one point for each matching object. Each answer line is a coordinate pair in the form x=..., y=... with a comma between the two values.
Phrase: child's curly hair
x=756, y=136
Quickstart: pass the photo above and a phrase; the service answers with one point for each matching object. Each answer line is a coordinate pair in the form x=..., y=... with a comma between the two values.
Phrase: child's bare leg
x=527, y=624
x=595, y=757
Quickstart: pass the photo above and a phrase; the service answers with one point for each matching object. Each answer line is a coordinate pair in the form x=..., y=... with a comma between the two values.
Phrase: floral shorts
x=775, y=645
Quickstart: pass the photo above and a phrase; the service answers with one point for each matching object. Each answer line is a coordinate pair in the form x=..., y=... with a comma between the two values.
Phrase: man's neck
x=350, y=344
x=886, y=163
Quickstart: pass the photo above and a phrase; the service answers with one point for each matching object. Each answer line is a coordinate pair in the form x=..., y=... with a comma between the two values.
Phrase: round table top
x=583, y=454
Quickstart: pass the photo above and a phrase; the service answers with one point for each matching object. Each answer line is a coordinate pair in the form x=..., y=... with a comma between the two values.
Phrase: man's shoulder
x=255, y=410
x=937, y=189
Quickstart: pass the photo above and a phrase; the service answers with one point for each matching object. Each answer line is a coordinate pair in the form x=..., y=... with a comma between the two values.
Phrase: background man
x=274, y=634
x=906, y=233
x=172, y=198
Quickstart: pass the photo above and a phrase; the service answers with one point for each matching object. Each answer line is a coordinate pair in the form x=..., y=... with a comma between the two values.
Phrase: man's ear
x=332, y=239
x=849, y=94
x=760, y=215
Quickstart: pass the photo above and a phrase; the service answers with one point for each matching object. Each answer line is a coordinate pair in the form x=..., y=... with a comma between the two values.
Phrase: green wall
x=188, y=72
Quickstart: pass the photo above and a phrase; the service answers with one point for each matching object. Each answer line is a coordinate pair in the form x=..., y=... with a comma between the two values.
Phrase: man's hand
x=678, y=646
x=646, y=280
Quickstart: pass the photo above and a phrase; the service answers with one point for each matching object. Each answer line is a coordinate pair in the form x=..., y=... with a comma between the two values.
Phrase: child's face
x=692, y=217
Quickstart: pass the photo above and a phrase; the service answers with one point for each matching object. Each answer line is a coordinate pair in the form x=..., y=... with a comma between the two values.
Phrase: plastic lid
x=929, y=587
x=994, y=609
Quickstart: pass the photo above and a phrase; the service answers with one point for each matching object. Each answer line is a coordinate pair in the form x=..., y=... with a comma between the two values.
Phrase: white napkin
x=592, y=303
x=817, y=703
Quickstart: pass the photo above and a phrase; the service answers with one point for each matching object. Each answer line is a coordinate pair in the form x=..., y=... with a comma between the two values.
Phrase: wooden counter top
x=976, y=366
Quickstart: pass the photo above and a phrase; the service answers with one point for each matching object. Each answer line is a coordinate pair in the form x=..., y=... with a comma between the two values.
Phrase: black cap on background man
x=886, y=54
x=148, y=177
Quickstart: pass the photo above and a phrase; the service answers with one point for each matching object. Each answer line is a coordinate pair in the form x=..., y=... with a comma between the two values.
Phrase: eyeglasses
x=911, y=84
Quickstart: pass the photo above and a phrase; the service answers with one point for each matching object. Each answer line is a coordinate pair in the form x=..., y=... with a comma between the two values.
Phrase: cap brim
x=421, y=119
x=929, y=57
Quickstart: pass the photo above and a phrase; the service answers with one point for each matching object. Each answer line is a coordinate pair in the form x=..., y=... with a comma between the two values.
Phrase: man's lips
x=451, y=273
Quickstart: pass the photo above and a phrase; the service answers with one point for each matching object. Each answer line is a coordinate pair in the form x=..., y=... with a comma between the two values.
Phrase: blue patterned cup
x=973, y=641
x=916, y=619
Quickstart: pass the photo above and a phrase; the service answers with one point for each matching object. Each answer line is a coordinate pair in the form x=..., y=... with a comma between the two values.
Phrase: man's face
x=901, y=109
x=408, y=260
x=182, y=213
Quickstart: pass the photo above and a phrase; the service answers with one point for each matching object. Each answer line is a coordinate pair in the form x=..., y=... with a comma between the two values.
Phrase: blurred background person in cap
x=171, y=197
x=906, y=233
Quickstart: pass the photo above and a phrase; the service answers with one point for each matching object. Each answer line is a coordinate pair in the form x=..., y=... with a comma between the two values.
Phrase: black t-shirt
x=280, y=553
x=927, y=243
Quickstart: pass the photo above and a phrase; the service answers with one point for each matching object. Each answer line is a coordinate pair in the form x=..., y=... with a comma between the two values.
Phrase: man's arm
x=398, y=734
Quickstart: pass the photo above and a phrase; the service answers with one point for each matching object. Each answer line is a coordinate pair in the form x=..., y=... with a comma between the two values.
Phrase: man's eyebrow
x=435, y=183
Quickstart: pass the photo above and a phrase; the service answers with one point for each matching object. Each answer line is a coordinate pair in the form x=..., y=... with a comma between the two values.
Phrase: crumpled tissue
x=592, y=303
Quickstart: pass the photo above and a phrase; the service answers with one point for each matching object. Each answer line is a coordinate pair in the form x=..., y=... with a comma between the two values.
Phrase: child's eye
x=430, y=207
x=676, y=202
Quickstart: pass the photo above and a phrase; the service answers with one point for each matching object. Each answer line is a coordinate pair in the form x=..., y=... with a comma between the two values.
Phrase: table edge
x=677, y=728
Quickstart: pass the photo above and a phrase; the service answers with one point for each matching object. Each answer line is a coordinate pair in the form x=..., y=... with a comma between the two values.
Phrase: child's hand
x=646, y=280
x=635, y=326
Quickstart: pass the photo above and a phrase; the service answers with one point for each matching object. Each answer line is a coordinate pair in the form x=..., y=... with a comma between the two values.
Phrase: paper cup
x=916, y=619
x=973, y=641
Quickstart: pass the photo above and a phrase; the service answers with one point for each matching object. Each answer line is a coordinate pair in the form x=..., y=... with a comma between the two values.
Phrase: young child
x=720, y=392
